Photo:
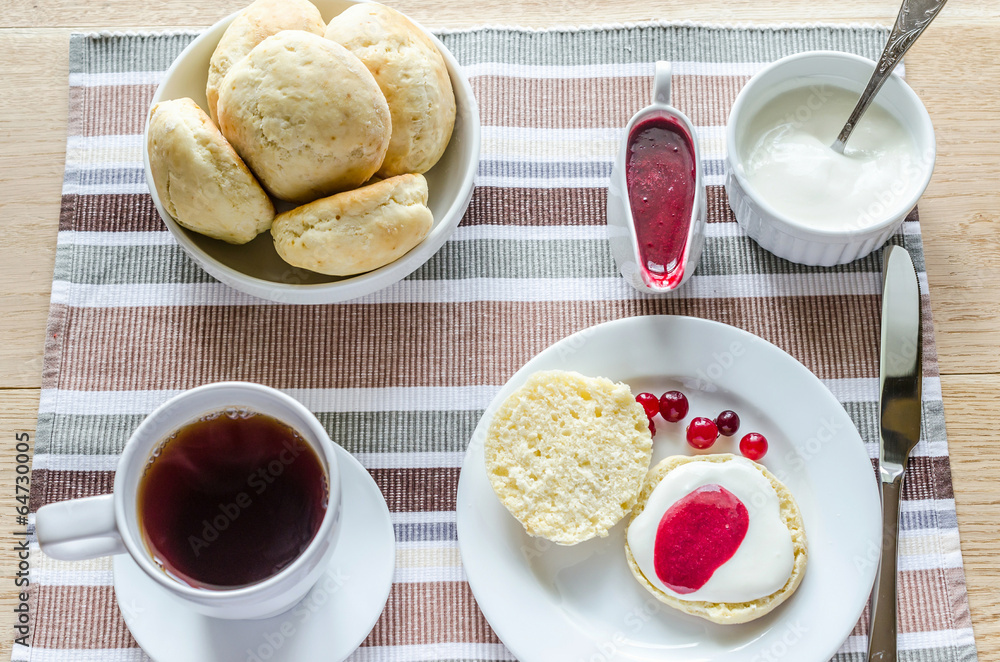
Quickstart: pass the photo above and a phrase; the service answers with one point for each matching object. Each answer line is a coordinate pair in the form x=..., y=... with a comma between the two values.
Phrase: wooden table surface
x=955, y=68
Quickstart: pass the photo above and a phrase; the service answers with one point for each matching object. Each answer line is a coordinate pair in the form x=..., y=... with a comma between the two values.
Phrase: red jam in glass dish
x=661, y=181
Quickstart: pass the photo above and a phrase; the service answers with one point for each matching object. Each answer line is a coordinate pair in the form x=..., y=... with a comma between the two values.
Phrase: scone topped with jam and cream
x=716, y=536
x=566, y=454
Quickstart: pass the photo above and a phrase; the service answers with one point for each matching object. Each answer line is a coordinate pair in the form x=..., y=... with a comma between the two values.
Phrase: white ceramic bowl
x=787, y=237
x=256, y=268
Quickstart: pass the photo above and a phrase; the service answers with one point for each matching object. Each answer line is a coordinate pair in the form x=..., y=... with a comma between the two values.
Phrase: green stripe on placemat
x=120, y=53
x=478, y=258
x=647, y=43
x=136, y=53
x=366, y=432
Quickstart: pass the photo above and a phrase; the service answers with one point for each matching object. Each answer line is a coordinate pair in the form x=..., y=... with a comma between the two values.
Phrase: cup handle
x=79, y=529
x=661, y=83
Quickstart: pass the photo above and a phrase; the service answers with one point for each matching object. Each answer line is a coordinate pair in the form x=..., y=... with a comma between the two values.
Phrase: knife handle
x=882, y=626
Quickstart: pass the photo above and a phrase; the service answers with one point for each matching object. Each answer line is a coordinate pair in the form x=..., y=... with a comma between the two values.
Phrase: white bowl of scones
x=312, y=151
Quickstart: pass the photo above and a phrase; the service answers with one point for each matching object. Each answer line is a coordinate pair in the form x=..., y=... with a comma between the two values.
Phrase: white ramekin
x=785, y=236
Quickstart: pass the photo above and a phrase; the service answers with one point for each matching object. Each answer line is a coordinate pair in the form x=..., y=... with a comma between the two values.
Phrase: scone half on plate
x=566, y=455
x=770, y=557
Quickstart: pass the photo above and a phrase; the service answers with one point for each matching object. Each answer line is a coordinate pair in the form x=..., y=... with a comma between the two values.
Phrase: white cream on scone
x=764, y=560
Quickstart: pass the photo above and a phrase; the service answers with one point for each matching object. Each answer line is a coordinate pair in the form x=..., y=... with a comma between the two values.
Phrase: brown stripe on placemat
x=494, y=205
x=53, y=485
x=958, y=602
x=924, y=605
x=110, y=212
x=403, y=344
x=577, y=103
x=422, y=489
x=419, y=613
x=490, y=205
x=719, y=210
x=924, y=602
x=130, y=103
x=861, y=627
x=418, y=490
x=431, y=613
x=928, y=478
x=543, y=103
x=84, y=617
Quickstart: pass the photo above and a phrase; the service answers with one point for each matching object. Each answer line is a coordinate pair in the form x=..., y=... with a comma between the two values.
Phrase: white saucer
x=548, y=602
x=330, y=622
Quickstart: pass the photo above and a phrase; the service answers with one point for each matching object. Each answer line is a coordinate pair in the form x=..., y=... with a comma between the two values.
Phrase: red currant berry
x=650, y=403
x=753, y=446
x=702, y=432
x=728, y=422
x=673, y=406
x=652, y=426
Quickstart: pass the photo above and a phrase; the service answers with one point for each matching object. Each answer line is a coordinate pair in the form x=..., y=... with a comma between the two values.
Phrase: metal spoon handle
x=914, y=17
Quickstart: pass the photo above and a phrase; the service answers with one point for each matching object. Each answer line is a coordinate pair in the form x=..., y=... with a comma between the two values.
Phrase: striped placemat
x=401, y=377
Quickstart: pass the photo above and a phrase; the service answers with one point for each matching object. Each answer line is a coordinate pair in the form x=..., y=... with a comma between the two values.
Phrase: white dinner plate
x=328, y=624
x=580, y=603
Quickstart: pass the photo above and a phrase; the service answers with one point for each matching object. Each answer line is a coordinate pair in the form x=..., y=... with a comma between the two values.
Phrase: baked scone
x=761, y=549
x=256, y=23
x=413, y=76
x=355, y=231
x=200, y=179
x=306, y=116
x=566, y=455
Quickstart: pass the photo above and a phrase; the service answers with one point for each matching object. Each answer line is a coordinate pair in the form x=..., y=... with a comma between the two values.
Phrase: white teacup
x=106, y=525
x=621, y=225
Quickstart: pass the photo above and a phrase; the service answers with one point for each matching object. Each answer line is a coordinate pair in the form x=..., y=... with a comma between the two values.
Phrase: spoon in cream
x=914, y=17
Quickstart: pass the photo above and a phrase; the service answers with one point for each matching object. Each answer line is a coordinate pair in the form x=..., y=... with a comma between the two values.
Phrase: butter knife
x=900, y=374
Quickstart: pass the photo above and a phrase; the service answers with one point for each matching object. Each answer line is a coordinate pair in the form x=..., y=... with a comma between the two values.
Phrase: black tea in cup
x=231, y=499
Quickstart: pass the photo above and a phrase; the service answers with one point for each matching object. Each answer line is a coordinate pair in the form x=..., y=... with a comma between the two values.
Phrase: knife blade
x=900, y=376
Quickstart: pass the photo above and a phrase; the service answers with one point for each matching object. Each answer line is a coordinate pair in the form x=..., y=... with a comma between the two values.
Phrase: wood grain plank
x=960, y=212
x=34, y=66
x=18, y=414
x=971, y=415
x=432, y=13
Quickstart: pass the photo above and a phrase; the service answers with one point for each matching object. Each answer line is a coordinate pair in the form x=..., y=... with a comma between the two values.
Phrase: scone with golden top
x=256, y=23
x=761, y=551
x=413, y=76
x=306, y=115
x=200, y=180
x=566, y=455
x=356, y=231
